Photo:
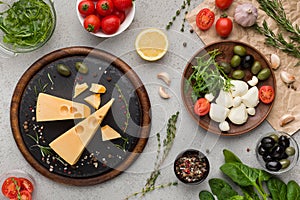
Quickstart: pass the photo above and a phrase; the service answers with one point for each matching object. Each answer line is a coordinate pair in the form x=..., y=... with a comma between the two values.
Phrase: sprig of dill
x=166, y=145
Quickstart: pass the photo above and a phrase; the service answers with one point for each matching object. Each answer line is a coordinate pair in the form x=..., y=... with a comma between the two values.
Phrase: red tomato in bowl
x=104, y=7
x=26, y=185
x=266, y=94
x=120, y=14
x=224, y=26
x=86, y=7
x=123, y=5
x=9, y=187
x=205, y=19
x=110, y=24
x=201, y=107
x=92, y=23
x=223, y=4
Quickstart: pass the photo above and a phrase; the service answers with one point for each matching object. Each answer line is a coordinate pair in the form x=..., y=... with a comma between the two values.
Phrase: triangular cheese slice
x=71, y=144
x=94, y=100
x=108, y=133
x=52, y=108
x=97, y=88
x=79, y=88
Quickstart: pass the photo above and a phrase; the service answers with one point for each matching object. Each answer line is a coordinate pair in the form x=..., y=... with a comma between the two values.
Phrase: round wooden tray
x=100, y=161
x=262, y=110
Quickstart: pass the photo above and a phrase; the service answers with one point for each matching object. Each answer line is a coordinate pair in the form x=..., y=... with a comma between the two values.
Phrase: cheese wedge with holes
x=94, y=100
x=80, y=88
x=70, y=145
x=97, y=88
x=108, y=133
x=52, y=108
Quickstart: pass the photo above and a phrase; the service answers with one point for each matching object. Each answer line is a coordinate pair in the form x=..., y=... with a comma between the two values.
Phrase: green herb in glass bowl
x=26, y=24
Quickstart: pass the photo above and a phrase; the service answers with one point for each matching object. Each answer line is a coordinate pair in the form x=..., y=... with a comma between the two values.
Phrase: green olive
x=226, y=67
x=274, y=136
x=264, y=74
x=239, y=50
x=63, y=70
x=238, y=74
x=81, y=67
x=285, y=163
x=256, y=67
x=290, y=151
x=235, y=61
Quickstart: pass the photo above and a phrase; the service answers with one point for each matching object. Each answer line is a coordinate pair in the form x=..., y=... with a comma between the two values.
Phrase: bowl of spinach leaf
x=26, y=25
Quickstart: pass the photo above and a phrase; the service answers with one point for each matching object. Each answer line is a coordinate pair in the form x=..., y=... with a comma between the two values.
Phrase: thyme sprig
x=126, y=107
x=166, y=145
x=275, y=10
x=184, y=6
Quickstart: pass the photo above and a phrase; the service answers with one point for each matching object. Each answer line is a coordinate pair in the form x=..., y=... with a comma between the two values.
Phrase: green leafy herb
x=26, y=23
x=277, y=188
x=293, y=190
x=185, y=5
x=221, y=189
x=206, y=195
x=208, y=76
x=167, y=144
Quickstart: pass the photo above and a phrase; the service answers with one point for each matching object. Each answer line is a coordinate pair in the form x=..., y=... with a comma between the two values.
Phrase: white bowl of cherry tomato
x=17, y=185
x=105, y=18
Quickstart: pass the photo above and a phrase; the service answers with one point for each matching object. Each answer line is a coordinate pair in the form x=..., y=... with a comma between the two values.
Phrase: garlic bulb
x=245, y=14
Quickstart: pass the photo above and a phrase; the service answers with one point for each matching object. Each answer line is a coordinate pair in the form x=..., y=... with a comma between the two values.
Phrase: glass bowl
x=28, y=34
x=24, y=180
x=191, y=167
x=277, y=152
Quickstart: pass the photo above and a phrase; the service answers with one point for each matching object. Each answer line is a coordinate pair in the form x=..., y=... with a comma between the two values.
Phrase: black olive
x=284, y=156
x=247, y=61
x=261, y=150
x=273, y=165
x=277, y=152
x=284, y=141
x=268, y=142
x=267, y=158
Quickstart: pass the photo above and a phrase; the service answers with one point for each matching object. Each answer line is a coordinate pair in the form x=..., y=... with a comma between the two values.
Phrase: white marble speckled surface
x=68, y=33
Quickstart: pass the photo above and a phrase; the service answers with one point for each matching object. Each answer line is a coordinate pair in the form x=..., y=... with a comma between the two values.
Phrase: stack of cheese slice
x=71, y=144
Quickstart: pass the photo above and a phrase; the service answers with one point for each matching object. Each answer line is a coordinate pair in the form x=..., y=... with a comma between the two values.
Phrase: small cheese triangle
x=94, y=100
x=97, y=88
x=51, y=108
x=71, y=144
x=108, y=133
x=79, y=88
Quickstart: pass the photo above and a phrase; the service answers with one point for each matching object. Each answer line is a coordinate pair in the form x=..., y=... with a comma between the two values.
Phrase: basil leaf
x=293, y=190
x=277, y=188
x=206, y=195
x=221, y=189
x=230, y=156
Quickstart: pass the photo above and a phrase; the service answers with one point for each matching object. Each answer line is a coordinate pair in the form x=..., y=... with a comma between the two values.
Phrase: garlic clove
x=287, y=77
x=275, y=61
x=165, y=77
x=285, y=119
x=253, y=81
x=162, y=92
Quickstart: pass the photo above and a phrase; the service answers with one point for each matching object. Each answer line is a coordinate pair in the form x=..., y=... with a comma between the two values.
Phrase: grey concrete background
x=68, y=33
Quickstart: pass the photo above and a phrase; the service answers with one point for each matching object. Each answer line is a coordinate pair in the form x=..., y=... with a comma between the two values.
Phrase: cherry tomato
x=120, y=14
x=9, y=187
x=201, y=107
x=104, y=7
x=266, y=94
x=223, y=4
x=224, y=26
x=205, y=19
x=26, y=185
x=110, y=24
x=25, y=195
x=123, y=5
x=86, y=7
x=92, y=23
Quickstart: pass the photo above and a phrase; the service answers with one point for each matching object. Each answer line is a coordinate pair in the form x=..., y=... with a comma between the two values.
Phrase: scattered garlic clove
x=163, y=93
x=285, y=119
x=253, y=81
x=165, y=77
x=251, y=111
x=287, y=77
x=224, y=126
x=275, y=61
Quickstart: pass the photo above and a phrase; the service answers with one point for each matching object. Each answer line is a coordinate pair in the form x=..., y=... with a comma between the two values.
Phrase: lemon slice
x=151, y=44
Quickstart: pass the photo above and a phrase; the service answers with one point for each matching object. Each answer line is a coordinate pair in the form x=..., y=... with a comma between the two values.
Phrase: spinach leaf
x=277, y=188
x=221, y=189
x=237, y=197
x=249, y=193
x=206, y=195
x=230, y=156
x=293, y=190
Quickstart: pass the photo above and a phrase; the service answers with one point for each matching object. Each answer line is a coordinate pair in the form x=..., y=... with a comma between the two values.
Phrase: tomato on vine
x=224, y=26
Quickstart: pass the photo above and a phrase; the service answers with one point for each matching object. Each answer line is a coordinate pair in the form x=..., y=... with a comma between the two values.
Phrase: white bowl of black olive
x=191, y=167
x=277, y=152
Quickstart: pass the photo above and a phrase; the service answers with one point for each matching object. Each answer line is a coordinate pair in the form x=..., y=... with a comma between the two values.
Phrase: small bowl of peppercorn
x=277, y=152
x=191, y=167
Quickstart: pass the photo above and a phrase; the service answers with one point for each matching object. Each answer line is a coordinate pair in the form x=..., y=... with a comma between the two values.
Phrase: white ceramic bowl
x=126, y=23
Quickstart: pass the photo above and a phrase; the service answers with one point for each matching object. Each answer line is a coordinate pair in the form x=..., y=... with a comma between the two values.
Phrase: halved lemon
x=151, y=44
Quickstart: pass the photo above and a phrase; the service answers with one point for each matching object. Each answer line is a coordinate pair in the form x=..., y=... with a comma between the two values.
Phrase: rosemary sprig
x=126, y=107
x=167, y=145
x=275, y=10
x=184, y=6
